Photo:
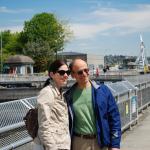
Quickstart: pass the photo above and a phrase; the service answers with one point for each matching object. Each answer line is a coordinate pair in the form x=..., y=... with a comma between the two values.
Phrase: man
x=94, y=116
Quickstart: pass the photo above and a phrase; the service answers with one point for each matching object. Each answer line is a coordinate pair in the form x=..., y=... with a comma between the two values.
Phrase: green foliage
x=5, y=37
x=14, y=46
x=10, y=43
x=40, y=52
x=43, y=36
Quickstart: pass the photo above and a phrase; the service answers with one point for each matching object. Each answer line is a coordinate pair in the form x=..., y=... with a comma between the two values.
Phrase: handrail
x=130, y=104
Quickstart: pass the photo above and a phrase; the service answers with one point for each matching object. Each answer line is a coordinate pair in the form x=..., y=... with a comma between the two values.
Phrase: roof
x=71, y=53
x=15, y=59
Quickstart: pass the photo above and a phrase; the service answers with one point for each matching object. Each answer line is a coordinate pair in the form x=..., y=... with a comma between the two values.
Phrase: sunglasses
x=62, y=72
x=80, y=72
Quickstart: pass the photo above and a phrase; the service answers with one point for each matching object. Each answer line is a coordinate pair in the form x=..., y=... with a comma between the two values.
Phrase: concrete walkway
x=139, y=137
x=136, y=139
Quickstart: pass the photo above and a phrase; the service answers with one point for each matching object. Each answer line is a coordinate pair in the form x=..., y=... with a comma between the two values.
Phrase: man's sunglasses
x=62, y=72
x=80, y=72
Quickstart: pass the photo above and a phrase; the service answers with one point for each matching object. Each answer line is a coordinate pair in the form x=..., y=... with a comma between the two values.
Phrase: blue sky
x=99, y=26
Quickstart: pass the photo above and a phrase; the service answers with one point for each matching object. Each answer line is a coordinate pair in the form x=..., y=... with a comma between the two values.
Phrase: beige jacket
x=53, y=119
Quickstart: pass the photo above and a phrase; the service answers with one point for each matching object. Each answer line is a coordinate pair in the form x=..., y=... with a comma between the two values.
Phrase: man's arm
x=114, y=122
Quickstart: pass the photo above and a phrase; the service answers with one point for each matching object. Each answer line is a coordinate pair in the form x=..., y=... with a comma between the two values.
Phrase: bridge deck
x=139, y=137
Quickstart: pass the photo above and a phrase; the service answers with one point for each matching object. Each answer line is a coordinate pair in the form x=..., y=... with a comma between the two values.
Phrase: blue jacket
x=108, y=122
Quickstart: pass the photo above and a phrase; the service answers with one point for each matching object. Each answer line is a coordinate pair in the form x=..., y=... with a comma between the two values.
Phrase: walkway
x=136, y=139
x=139, y=137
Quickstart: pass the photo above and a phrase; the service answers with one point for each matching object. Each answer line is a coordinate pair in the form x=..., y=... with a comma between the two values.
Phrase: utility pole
x=1, y=53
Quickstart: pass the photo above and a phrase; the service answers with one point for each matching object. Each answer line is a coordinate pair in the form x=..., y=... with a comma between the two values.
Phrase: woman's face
x=61, y=76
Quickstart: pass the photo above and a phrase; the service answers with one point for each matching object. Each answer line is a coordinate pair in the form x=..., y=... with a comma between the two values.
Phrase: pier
x=138, y=137
x=133, y=98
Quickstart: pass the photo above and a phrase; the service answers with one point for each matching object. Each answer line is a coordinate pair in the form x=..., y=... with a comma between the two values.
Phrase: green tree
x=14, y=45
x=40, y=51
x=11, y=43
x=5, y=37
x=43, y=36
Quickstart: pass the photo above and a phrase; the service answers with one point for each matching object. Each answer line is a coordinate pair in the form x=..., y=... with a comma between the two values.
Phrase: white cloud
x=12, y=28
x=111, y=20
x=83, y=31
x=4, y=9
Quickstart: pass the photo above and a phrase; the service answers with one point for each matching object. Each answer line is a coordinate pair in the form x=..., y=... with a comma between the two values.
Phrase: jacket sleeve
x=45, y=102
x=114, y=121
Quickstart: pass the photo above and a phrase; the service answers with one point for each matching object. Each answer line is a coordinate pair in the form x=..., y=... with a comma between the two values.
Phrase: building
x=69, y=56
x=18, y=64
x=94, y=61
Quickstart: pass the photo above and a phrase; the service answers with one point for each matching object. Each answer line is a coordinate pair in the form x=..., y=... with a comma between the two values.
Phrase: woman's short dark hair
x=53, y=67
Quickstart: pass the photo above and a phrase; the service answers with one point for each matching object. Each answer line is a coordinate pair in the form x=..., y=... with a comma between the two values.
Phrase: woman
x=53, y=132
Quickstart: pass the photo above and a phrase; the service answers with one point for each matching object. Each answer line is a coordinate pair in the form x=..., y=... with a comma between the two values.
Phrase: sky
x=104, y=27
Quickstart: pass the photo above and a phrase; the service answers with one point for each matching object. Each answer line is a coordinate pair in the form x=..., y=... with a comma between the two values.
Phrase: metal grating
x=33, y=101
x=12, y=127
x=12, y=113
x=118, y=87
x=129, y=85
x=13, y=136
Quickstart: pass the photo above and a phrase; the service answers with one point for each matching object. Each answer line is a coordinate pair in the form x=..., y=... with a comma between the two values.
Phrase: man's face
x=80, y=72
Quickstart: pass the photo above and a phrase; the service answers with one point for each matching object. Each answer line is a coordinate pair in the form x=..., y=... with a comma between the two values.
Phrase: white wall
x=95, y=59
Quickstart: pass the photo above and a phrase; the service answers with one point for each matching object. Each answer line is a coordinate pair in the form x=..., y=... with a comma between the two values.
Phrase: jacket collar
x=93, y=83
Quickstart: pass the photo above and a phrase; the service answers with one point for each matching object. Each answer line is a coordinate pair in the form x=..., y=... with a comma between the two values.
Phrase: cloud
x=83, y=31
x=12, y=28
x=4, y=9
x=106, y=21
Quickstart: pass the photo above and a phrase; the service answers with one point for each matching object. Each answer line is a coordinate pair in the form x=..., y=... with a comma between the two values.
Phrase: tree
x=14, y=45
x=11, y=43
x=40, y=51
x=43, y=36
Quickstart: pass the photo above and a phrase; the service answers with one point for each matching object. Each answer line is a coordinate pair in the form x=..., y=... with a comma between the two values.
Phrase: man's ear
x=72, y=75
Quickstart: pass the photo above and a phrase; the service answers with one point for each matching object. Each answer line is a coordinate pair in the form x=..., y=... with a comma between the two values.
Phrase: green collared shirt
x=84, y=113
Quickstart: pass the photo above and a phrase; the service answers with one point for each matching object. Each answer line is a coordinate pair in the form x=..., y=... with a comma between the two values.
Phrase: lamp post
x=1, y=53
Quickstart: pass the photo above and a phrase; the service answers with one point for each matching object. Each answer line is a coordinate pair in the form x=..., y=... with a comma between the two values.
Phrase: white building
x=95, y=61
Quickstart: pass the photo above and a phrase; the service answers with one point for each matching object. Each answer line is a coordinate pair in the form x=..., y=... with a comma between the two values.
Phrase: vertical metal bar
x=1, y=53
x=130, y=109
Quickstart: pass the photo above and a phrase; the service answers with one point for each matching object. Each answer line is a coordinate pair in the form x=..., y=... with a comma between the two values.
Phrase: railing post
x=129, y=96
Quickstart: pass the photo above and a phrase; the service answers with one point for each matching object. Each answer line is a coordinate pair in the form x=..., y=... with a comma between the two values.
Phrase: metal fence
x=44, y=76
x=12, y=127
x=131, y=99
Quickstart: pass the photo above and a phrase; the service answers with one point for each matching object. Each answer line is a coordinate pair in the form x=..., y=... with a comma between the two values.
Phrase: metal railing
x=18, y=78
x=42, y=76
x=12, y=128
x=131, y=101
